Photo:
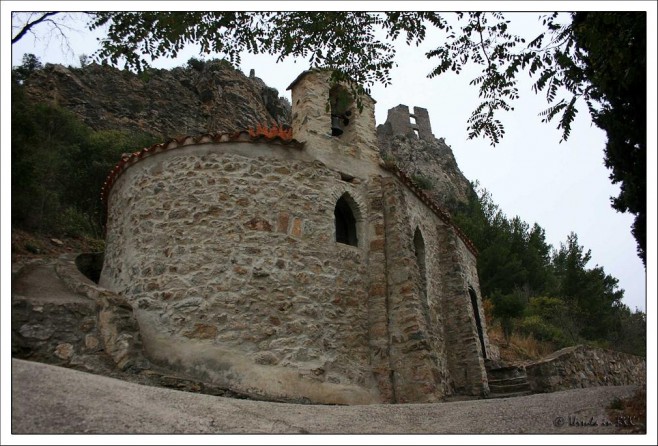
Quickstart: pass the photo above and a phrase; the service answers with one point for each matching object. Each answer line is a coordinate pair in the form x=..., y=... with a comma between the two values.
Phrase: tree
x=590, y=294
x=31, y=63
x=59, y=164
x=598, y=58
x=613, y=54
x=29, y=23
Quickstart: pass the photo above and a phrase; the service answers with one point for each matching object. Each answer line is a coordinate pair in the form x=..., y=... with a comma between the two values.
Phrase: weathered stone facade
x=298, y=271
x=581, y=366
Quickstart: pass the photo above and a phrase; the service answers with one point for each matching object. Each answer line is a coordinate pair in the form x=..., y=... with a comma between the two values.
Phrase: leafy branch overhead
x=358, y=46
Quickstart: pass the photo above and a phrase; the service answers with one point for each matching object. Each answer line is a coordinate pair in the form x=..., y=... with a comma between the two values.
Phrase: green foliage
x=507, y=308
x=422, y=181
x=29, y=65
x=613, y=52
x=58, y=168
x=550, y=293
x=542, y=331
x=196, y=64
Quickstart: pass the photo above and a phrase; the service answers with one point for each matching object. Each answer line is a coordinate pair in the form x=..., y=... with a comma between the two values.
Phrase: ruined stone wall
x=403, y=122
x=223, y=248
x=581, y=366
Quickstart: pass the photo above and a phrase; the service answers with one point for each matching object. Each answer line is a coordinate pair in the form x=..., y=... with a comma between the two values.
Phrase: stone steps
x=511, y=385
x=507, y=381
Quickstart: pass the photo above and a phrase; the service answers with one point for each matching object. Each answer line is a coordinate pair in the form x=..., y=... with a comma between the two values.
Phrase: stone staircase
x=507, y=381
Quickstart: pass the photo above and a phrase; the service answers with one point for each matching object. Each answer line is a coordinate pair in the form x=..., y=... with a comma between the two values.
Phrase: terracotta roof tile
x=250, y=136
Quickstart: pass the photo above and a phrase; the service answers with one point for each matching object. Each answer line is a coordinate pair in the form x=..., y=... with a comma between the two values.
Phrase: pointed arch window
x=419, y=249
x=345, y=221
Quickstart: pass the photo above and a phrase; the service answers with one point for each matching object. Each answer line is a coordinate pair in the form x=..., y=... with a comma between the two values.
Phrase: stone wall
x=240, y=252
x=414, y=346
x=581, y=366
x=451, y=270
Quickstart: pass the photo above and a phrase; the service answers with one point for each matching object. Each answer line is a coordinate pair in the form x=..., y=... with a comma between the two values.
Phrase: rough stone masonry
x=296, y=269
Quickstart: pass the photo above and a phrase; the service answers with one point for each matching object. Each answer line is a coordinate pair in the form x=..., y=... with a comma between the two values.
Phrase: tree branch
x=29, y=25
x=486, y=56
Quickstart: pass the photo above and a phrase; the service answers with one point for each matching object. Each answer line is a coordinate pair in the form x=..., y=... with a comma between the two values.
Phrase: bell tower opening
x=341, y=103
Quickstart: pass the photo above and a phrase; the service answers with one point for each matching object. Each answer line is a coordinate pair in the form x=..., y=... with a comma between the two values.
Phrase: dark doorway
x=478, y=322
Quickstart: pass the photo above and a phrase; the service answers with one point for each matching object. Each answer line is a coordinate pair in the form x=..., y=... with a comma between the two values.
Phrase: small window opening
x=340, y=101
x=412, y=119
x=417, y=133
x=345, y=223
x=346, y=177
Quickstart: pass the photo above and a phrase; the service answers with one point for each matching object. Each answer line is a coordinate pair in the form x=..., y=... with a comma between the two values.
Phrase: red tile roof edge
x=430, y=203
x=128, y=160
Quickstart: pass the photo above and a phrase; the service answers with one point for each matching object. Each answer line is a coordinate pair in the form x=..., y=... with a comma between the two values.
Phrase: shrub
x=422, y=181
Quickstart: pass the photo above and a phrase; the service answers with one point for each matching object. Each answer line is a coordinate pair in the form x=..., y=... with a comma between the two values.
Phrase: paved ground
x=48, y=399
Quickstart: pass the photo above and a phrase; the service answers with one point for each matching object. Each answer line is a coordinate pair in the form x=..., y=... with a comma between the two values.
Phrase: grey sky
x=562, y=187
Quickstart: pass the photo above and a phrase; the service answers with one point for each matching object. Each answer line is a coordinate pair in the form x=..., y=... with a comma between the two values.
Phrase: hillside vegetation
x=536, y=292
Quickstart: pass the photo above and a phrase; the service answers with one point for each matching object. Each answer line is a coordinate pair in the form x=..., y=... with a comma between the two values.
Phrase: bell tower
x=326, y=117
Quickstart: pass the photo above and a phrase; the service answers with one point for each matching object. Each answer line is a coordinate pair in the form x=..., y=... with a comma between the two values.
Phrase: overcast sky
x=564, y=187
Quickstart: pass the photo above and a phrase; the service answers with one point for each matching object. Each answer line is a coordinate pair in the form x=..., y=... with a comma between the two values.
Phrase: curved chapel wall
x=233, y=245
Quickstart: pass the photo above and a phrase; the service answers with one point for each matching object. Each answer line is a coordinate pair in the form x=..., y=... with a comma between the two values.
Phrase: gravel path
x=48, y=399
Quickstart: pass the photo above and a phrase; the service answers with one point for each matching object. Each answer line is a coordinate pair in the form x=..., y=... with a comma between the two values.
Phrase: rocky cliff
x=202, y=97
x=431, y=164
x=212, y=96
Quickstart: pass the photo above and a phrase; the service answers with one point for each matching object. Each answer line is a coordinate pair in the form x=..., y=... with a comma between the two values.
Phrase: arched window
x=345, y=222
x=419, y=249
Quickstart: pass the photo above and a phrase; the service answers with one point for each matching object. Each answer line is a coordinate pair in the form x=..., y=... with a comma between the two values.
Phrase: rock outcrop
x=203, y=97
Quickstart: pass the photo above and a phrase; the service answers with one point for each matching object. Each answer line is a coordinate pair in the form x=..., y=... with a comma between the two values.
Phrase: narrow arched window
x=419, y=249
x=345, y=222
